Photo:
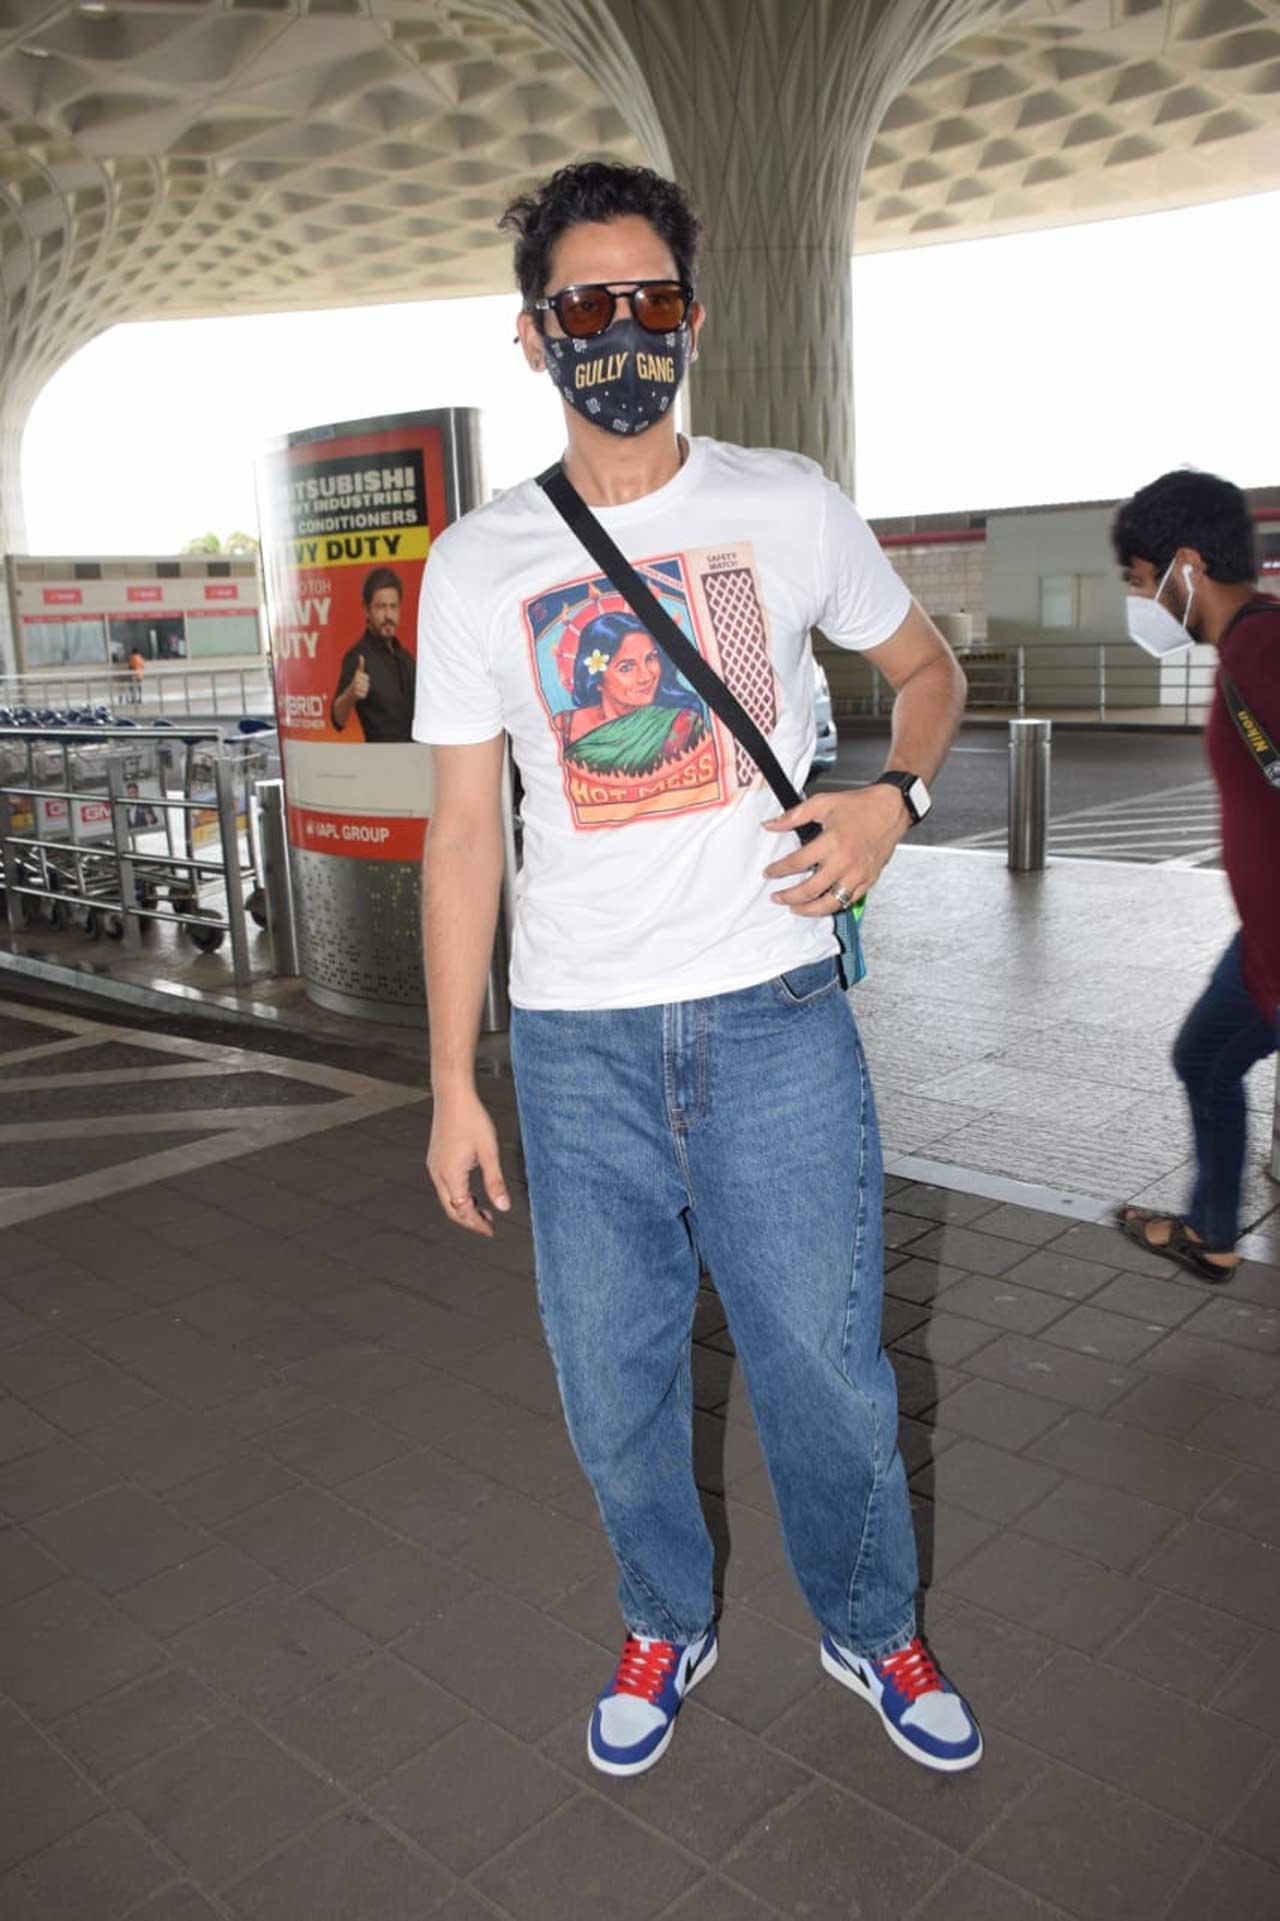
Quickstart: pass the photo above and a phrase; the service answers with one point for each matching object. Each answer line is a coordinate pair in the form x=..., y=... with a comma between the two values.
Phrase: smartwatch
x=916, y=797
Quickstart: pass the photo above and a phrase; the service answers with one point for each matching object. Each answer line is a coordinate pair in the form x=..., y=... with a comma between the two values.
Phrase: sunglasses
x=660, y=306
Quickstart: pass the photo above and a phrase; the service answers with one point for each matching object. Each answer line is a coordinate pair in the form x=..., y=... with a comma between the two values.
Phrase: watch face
x=919, y=799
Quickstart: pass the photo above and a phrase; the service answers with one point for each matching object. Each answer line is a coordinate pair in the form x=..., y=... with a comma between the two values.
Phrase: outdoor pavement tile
x=43, y=1796
x=1187, y=1648
x=1099, y=1854
x=1108, y=1247
x=218, y=1495
x=987, y=1659
x=347, y=1868
x=518, y=1667
x=523, y=1547
x=523, y=1451
x=224, y=1800
x=1222, y=1569
x=161, y=1445
x=807, y=1859
x=22, y=1430
x=1158, y=1302
x=721, y=1781
x=920, y=1444
x=985, y=1480
x=180, y=1596
x=901, y=1229
x=1250, y=1503
x=1257, y=1826
x=119, y=1537
x=748, y=1544
x=1227, y=1318
x=358, y=1375
x=921, y=1384
x=1108, y=1337
x=940, y=1203
x=763, y=1669
x=898, y=1317
x=591, y=1610
x=1253, y=1692
x=437, y=1405
x=42, y=1365
x=95, y=1399
x=369, y=1720
x=1249, y=1434
x=24, y=1565
x=68, y=1296
x=990, y=1411
x=66, y=1645
x=1049, y=1590
x=1075, y=1380
x=393, y=1590
x=181, y=1902
x=1029, y=1225
x=518, y=1370
x=1179, y=1757
x=271, y=1406
x=102, y=1870
x=471, y=1794
x=716, y=1900
x=136, y=1723
x=1175, y=1409
x=335, y=1444
x=837, y=1736
x=915, y=1280
x=587, y=1859
x=945, y=1537
x=1099, y=1522
x=945, y=1338
x=1215, y=1365
x=419, y=1494
x=968, y=1248
x=1004, y=1304
x=304, y=1535
x=268, y=1650
x=974, y=1895
x=462, y=1905
x=1228, y=1886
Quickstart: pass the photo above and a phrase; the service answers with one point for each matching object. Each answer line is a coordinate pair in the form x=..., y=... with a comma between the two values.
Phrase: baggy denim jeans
x=1223, y=1036
x=738, y=1130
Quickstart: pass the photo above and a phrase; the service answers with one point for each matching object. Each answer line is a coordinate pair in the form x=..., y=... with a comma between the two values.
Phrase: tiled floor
x=303, y=1600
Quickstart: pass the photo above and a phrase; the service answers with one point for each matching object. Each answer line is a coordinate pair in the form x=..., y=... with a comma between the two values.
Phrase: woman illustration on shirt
x=631, y=713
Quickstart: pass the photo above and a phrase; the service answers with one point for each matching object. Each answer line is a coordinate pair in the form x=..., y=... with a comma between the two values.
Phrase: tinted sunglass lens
x=660, y=309
x=585, y=311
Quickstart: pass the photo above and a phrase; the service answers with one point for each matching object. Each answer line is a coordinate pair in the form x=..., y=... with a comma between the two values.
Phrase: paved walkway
x=303, y=1600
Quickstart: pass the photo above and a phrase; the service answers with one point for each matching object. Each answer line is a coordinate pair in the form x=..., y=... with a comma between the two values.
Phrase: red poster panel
x=347, y=526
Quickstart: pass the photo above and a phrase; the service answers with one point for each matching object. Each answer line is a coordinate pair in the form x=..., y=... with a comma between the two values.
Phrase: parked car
x=824, y=754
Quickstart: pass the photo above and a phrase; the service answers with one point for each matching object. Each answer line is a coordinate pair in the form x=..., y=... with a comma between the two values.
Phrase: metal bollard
x=282, y=926
x=1275, y=1132
x=1029, y=743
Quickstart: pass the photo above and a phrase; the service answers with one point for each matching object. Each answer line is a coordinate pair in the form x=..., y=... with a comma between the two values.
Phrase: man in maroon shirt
x=1186, y=545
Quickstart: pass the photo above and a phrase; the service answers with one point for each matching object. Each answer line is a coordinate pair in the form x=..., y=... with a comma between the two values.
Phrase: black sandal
x=1133, y=1222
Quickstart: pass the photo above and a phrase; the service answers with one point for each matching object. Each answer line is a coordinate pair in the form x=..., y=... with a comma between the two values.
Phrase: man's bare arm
x=461, y=888
x=930, y=687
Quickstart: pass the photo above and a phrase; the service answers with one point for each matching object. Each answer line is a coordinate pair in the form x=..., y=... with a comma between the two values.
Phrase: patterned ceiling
x=196, y=156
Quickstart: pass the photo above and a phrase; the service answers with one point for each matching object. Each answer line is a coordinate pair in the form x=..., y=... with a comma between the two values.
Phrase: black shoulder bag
x=702, y=677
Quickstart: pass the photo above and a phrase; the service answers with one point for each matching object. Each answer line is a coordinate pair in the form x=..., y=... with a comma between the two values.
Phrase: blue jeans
x=1223, y=1036
x=740, y=1129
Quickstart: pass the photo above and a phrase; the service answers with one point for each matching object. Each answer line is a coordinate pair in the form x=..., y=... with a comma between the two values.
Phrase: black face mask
x=624, y=379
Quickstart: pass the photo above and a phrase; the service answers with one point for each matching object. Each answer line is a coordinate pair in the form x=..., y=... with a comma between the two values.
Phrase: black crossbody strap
x=1262, y=748
x=678, y=648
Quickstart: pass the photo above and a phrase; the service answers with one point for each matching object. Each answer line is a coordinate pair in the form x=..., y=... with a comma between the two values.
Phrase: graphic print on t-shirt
x=634, y=740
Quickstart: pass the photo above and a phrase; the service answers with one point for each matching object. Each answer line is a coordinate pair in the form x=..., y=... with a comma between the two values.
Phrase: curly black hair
x=596, y=191
x=1189, y=509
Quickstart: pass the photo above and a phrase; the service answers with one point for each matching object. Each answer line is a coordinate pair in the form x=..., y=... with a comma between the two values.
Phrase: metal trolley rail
x=104, y=826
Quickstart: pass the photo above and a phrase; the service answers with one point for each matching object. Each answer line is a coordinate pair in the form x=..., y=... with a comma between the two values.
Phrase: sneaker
x=921, y=1711
x=635, y=1717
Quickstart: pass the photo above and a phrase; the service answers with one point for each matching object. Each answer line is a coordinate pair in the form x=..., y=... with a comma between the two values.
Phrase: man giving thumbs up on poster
x=376, y=678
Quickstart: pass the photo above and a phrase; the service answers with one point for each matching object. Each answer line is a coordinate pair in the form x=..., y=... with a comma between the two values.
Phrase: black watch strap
x=904, y=784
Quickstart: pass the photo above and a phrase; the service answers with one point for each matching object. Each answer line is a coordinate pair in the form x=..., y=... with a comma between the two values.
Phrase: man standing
x=137, y=669
x=1186, y=547
x=690, y=1081
x=376, y=678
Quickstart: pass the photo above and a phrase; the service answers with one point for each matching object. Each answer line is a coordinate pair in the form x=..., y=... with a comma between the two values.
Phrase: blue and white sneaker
x=921, y=1711
x=635, y=1717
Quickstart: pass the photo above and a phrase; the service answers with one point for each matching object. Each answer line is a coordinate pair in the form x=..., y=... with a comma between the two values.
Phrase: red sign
x=63, y=596
x=144, y=593
x=222, y=590
x=371, y=836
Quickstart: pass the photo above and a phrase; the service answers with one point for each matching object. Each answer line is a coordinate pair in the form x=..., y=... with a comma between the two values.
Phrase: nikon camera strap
x=1262, y=749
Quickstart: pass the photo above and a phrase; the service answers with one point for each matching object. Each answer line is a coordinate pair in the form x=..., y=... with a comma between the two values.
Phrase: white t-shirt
x=644, y=854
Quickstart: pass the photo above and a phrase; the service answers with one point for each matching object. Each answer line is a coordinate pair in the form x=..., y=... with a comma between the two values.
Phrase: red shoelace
x=912, y=1671
x=644, y=1668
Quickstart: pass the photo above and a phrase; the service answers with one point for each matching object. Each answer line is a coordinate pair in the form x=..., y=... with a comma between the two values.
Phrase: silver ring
x=843, y=895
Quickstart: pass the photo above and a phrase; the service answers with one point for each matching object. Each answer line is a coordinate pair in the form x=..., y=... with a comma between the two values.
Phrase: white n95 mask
x=1152, y=626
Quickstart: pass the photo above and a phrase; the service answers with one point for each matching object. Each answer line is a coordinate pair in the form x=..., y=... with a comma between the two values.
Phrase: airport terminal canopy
x=193, y=157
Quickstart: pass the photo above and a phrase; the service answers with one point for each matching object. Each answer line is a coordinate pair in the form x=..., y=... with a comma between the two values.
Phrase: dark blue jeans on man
x=1224, y=1035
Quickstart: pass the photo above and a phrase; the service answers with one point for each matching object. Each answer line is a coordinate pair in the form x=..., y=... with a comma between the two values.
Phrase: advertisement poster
x=348, y=516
